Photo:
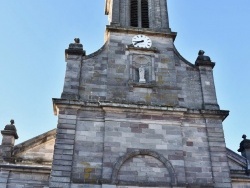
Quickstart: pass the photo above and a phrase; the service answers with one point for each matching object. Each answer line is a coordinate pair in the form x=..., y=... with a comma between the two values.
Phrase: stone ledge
x=148, y=31
x=152, y=85
x=132, y=48
x=109, y=105
x=240, y=175
x=23, y=168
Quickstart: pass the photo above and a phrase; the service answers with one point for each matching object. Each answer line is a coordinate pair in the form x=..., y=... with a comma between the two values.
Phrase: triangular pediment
x=38, y=150
x=236, y=161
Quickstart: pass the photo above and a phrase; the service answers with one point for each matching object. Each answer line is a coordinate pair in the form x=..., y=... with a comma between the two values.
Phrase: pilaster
x=218, y=154
x=4, y=175
x=206, y=66
x=73, y=57
x=64, y=148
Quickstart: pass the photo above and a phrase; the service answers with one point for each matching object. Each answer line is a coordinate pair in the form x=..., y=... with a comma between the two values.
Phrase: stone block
x=108, y=186
x=65, y=131
x=63, y=157
x=58, y=185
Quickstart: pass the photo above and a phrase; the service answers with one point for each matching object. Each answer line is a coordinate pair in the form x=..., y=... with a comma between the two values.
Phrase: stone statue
x=242, y=148
x=142, y=74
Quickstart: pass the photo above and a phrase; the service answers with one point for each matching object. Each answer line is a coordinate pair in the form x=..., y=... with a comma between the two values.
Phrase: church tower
x=135, y=113
x=148, y=14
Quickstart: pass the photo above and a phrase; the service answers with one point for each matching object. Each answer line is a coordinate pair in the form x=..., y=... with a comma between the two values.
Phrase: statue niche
x=141, y=69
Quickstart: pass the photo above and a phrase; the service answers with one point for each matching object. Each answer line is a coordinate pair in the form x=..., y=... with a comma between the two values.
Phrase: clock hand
x=136, y=42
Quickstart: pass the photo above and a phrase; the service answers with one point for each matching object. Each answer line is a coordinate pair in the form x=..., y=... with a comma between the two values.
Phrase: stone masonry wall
x=185, y=146
x=108, y=75
x=64, y=148
x=143, y=168
x=41, y=154
x=88, y=153
x=15, y=179
x=127, y=144
x=188, y=79
x=93, y=81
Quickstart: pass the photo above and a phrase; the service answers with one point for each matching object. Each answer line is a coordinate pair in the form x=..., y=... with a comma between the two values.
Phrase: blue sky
x=34, y=35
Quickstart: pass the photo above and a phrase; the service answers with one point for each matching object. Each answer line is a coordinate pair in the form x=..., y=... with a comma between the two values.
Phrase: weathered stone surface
x=115, y=131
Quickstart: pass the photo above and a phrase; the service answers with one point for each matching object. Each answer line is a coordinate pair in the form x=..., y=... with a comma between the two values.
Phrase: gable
x=38, y=150
x=236, y=162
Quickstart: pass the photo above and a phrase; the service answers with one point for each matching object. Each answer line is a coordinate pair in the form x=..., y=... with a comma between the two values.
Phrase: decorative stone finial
x=9, y=135
x=75, y=48
x=203, y=60
x=10, y=129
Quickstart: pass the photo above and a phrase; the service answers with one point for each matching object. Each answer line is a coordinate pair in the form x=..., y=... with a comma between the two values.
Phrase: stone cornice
x=151, y=32
x=240, y=175
x=10, y=133
x=137, y=49
x=111, y=106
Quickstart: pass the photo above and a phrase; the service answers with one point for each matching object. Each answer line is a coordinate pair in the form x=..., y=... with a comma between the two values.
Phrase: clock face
x=141, y=41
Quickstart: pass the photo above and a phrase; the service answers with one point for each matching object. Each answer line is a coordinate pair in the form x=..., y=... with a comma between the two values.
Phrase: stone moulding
x=132, y=48
x=134, y=153
x=148, y=31
x=78, y=104
x=24, y=168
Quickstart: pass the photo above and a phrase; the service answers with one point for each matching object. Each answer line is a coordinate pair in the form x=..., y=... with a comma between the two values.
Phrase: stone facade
x=31, y=164
x=115, y=131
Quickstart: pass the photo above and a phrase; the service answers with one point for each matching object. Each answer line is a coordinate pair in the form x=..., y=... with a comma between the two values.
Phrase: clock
x=141, y=41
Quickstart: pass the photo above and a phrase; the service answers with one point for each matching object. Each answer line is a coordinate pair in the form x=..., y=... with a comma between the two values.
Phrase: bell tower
x=136, y=113
x=147, y=14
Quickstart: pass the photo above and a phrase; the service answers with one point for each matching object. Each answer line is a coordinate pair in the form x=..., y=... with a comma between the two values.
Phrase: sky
x=34, y=35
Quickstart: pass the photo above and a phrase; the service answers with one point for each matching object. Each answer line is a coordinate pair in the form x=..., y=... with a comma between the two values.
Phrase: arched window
x=139, y=13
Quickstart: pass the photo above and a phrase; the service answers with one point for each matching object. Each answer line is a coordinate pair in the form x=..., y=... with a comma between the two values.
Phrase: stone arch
x=142, y=59
x=128, y=155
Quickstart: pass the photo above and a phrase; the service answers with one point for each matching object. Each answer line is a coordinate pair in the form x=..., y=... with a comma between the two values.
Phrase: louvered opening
x=134, y=13
x=144, y=14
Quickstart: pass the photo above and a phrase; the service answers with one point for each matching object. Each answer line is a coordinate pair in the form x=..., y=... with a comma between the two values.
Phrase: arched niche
x=141, y=61
x=156, y=156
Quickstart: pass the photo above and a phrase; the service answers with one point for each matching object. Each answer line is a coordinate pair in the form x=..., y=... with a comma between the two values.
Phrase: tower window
x=134, y=13
x=144, y=14
x=139, y=13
